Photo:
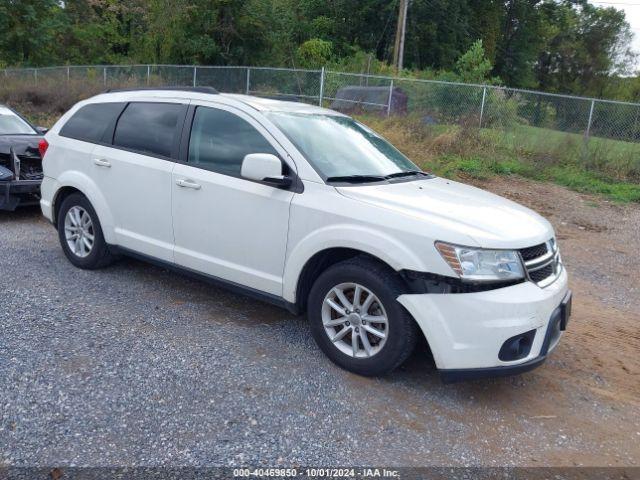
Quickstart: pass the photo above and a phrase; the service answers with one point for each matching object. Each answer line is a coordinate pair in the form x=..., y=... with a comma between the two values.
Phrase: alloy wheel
x=355, y=320
x=78, y=231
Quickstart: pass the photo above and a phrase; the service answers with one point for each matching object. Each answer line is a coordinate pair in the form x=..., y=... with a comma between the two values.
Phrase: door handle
x=188, y=184
x=101, y=163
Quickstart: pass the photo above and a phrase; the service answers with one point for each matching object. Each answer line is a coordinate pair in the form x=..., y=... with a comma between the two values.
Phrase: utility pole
x=401, y=27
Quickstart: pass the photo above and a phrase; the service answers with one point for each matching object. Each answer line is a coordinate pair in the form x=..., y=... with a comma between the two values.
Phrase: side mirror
x=264, y=167
x=42, y=130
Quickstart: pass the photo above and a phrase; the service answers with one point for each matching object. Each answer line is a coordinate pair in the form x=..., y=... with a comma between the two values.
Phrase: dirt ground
x=600, y=353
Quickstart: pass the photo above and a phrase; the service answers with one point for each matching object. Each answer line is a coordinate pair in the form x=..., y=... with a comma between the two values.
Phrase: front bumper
x=466, y=331
x=19, y=192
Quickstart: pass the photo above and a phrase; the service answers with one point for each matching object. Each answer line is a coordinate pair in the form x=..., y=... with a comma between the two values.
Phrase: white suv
x=307, y=208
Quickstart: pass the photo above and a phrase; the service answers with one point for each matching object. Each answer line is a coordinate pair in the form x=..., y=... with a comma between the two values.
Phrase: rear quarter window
x=91, y=122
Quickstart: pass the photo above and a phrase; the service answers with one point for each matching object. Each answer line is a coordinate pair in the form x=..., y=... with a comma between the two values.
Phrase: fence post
x=195, y=75
x=248, y=80
x=484, y=97
x=588, y=130
x=587, y=133
x=148, y=73
x=68, y=75
x=320, y=97
x=390, y=97
x=35, y=75
x=104, y=76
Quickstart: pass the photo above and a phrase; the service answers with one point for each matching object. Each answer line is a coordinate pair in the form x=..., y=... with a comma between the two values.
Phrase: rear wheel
x=80, y=233
x=356, y=319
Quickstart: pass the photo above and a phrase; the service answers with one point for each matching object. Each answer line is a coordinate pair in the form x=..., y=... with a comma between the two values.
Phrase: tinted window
x=90, y=122
x=220, y=140
x=149, y=127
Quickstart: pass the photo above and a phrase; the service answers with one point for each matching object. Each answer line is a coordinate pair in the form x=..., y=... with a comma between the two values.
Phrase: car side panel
x=67, y=163
x=231, y=228
x=322, y=218
x=138, y=189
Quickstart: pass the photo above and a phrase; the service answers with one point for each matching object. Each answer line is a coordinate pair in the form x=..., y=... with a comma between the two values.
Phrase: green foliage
x=501, y=111
x=473, y=66
x=586, y=48
x=481, y=167
x=587, y=182
x=519, y=42
x=569, y=46
x=314, y=53
x=27, y=30
x=546, y=155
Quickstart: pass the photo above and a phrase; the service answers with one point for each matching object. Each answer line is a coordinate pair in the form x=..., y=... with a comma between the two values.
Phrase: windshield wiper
x=407, y=173
x=357, y=178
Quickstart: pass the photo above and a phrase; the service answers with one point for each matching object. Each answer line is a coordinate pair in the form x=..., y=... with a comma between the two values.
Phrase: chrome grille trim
x=540, y=262
x=550, y=258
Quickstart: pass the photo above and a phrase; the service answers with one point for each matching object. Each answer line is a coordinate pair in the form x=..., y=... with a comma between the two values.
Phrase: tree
x=518, y=47
x=586, y=47
x=570, y=46
x=28, y=28
x=315, y=53
x=100, y=31
x=437, y=33
x=473, y=66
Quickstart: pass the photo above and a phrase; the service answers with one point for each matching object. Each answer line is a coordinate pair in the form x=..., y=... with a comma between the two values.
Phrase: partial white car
x=309, y=209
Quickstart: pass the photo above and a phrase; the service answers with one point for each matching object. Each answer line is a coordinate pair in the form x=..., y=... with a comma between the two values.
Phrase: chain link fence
x=590, y=129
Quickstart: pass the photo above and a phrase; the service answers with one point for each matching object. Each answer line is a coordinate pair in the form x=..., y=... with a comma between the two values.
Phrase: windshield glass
x=340, y=147
x=12, y=124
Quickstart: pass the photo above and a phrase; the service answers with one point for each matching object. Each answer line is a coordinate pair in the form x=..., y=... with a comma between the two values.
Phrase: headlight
x=482, y=265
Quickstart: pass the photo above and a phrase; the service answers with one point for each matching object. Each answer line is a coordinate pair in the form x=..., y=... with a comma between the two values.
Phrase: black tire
x=99, y=256
x=387, y=285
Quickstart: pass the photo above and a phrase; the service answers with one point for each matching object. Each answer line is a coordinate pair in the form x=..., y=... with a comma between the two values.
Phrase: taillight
x=42, y=147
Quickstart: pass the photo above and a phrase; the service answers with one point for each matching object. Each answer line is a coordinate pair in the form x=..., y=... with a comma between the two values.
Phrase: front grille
x=542, y=263
x=534, y=252
x=539, y=275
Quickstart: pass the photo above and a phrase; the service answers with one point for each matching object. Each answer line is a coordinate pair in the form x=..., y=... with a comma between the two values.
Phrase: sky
x=632, y=11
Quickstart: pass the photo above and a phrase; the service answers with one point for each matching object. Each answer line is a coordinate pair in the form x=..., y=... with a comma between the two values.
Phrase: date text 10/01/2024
x=316, y=473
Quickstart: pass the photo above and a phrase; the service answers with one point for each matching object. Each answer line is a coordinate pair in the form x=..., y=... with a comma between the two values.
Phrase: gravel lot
x=135, y=365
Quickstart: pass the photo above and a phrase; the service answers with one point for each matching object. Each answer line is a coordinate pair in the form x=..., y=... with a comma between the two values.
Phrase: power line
x=619, y=3
x=391, y=12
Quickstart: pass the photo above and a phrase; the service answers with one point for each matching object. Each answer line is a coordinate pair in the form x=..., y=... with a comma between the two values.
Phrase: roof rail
x=210, y=90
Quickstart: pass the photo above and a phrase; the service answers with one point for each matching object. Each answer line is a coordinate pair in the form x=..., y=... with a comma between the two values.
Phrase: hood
x=489, y=220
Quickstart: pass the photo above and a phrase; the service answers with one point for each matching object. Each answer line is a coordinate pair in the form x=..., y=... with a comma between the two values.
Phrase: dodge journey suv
x=309, y=209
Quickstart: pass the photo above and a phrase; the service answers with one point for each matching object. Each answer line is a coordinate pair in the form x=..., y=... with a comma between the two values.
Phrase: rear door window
x=150, y=128
x=90, y=123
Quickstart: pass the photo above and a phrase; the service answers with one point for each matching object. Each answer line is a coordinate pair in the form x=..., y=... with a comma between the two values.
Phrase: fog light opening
x=517, y=347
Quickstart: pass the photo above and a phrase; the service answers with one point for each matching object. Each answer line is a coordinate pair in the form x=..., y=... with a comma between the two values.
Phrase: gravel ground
x=135, y=365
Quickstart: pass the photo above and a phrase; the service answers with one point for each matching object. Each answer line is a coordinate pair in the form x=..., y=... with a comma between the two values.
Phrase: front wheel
x=80, y=233
x=356, y=319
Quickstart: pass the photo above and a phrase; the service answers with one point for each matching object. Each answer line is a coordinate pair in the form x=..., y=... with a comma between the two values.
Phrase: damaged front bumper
x=468, y=332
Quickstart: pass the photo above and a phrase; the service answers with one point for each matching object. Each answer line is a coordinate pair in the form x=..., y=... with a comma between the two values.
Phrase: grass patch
x=587, y=182
x=604, y=167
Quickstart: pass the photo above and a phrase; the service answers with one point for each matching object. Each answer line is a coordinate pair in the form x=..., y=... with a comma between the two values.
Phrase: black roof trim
x=210, y=90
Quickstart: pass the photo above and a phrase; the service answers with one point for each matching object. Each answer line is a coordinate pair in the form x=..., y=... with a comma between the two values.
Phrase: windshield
x=12, y=124
x=340, y=147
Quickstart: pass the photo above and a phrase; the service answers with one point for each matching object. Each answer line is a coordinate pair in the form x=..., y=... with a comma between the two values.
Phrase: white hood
x=490, y=220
